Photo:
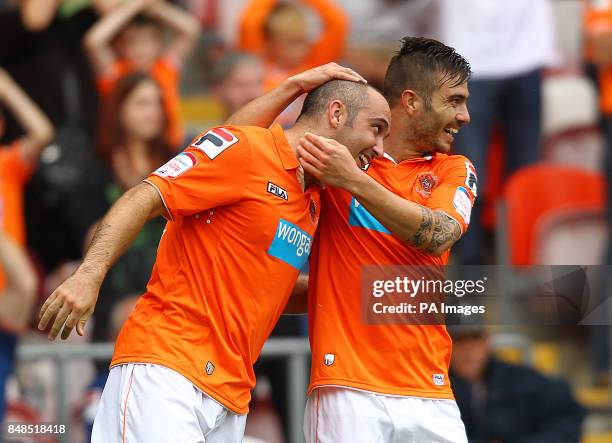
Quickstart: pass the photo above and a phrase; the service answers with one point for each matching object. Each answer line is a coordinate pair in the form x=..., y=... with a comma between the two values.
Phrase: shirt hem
x=349, y=384
x=211, y=392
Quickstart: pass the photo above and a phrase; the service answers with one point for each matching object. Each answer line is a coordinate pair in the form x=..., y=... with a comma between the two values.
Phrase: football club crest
x=329, y=359
x=313, y=211
x=425, y=183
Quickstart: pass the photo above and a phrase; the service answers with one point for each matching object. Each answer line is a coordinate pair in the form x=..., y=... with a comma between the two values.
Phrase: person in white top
x=508, y=45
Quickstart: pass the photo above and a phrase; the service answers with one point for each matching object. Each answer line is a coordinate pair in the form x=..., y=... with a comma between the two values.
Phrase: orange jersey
x=387, y=359
x=240, y=229
x=167, y=76
x=329, y=46
x=598, y=20
x=14, y=174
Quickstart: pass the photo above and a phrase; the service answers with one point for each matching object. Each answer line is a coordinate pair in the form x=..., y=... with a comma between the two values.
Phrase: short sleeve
x=456, y=190
x=212, y=171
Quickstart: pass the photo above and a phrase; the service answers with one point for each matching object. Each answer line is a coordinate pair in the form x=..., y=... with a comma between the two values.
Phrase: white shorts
x=344, y=415
x=153, y=404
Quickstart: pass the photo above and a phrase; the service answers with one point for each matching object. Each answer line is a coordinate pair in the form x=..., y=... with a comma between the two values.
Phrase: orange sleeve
x=456, y=191
x=211, y=172
x=252, y=38
x=15, y=164
x=106, y=82
x=330, y=45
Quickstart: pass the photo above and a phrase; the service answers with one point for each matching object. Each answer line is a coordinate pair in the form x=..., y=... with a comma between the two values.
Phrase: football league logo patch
x=176, y=166
x=425, y=184
x=471, y=181
x=215, y=141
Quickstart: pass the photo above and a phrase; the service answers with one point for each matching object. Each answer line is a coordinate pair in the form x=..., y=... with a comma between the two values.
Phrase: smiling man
x=386, y=382
x=241, y=218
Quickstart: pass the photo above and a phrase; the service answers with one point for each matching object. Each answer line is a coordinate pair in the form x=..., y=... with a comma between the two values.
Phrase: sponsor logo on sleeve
x=176, y=166
x=438, y=379
x=463, y=203
x=471, y=181
x=291, y=244
x=215, y=141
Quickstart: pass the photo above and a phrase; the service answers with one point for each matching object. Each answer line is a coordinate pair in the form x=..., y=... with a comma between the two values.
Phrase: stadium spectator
x=17, y=161
x=368, y=383
x=502, y=402
x=132, y=144
x=278, y=31
x=130, y=38
x=17, y=298
x=196, y=329
x=37, y=15
x=597, y=24
x=508, y=44
x=376, y=27
x=236, y=80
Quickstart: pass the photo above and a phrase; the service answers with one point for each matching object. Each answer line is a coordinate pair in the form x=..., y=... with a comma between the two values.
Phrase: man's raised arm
x=74, y=301
x=432, y=231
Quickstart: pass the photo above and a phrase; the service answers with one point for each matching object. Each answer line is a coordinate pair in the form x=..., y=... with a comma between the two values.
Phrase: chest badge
x=278, y=191
x=313, y=211
x=425, y=183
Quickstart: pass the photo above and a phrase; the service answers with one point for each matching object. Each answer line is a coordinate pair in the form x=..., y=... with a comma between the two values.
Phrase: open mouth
x=364, y=160
x=451, y=131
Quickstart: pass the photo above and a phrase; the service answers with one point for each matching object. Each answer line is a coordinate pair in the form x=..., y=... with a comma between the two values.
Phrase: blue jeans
x=515, y=103
x=8, y=343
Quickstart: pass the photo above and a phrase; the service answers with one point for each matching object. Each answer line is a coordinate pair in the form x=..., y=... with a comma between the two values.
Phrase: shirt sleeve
x=18, y=167
x=456, y=191
x=212, y=171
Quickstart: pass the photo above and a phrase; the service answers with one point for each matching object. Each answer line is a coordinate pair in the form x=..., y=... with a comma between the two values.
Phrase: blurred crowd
x=96, y=94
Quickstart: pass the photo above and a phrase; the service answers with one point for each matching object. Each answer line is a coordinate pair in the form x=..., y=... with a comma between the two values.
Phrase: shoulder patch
x=471, y=181
x=176, y=166
x=463, y=204
x=215, y=141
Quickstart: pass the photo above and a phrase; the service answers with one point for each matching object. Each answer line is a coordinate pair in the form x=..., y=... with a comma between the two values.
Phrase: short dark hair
x=143, y=20
x=354, y=96
x=423, y=65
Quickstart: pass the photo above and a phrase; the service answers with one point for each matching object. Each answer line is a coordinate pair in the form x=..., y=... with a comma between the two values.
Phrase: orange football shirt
x=240, y=229
x=387, y=359
x=14, y=174
x=167, y=76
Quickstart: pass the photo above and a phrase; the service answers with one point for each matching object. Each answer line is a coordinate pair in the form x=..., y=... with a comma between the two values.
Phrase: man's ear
x=336, y=114
x=411, y=101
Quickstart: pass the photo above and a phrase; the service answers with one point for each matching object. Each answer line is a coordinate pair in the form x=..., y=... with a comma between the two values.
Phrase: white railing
x=295, y=350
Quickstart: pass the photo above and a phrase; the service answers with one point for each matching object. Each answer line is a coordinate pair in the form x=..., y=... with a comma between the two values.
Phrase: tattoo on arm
x=436, y=229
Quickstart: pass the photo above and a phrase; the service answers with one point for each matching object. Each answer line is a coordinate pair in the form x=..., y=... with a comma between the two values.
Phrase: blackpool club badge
x=425, y=183
x=313, y=211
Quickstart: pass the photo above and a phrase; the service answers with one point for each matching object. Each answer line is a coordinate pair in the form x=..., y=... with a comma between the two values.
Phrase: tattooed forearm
x=436, y=230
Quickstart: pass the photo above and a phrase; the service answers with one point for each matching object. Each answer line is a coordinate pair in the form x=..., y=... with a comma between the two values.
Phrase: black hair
x=423, y=65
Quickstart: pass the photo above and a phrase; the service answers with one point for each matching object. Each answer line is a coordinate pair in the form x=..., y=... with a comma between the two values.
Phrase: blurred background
x=95, y=94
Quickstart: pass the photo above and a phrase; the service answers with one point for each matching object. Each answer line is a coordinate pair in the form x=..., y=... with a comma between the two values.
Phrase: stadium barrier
x=296, y=351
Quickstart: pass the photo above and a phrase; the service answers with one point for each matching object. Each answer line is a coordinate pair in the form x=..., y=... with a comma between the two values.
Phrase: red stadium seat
x=538, y=195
